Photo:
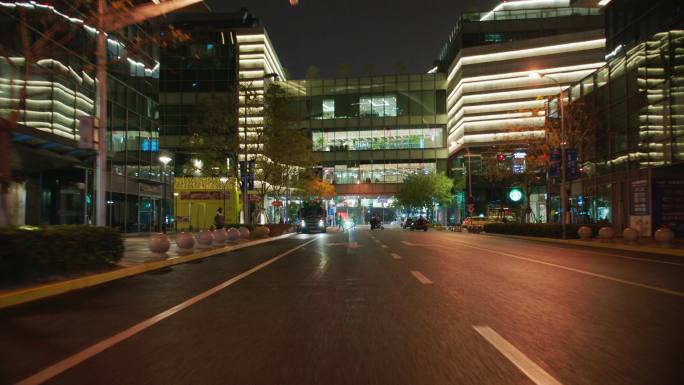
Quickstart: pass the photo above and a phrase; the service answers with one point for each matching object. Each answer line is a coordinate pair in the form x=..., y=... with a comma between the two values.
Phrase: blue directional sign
x=250, y=176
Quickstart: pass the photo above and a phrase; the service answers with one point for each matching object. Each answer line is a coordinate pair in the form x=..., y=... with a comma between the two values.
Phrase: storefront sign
x=203, y=195
x=668, y=205
x=639, y=204
x=150, y=189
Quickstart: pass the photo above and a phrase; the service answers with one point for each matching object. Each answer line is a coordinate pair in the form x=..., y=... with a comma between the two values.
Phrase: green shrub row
x=27, y=253
x=547, y=230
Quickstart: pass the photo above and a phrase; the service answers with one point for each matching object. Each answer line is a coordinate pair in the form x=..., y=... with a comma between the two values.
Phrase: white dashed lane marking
x=535, y=373
x=420, y=277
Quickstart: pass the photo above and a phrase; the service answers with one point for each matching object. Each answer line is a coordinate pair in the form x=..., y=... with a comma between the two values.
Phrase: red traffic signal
x=500, y=157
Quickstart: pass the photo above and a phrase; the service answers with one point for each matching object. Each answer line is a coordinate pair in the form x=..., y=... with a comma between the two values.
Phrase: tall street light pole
x=175, y=212
x=164, y=159
x=107, y=22
x=563, y=193
x=224, y=180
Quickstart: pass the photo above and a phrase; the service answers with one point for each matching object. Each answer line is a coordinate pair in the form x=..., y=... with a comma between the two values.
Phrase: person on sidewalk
x=219, y=219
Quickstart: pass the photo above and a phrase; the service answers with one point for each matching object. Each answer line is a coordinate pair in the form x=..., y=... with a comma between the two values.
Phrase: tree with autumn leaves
x=582, y=122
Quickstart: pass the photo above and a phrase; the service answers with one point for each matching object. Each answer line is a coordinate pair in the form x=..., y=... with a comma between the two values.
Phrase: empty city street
x=365, y=307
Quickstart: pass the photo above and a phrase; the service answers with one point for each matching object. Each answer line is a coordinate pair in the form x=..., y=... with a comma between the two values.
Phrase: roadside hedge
x=546, y=230
x=34, y=252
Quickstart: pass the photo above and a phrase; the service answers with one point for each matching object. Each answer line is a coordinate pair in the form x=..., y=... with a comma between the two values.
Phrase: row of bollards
x=630, y=236
x=160, y=244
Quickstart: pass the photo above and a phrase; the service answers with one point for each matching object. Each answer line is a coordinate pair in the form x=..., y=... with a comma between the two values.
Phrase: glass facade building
x=632, y=166
x=374, y=130
x=52, y=171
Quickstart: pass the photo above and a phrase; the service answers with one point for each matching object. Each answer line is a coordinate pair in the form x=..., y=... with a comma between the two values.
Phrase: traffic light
x=500, y=157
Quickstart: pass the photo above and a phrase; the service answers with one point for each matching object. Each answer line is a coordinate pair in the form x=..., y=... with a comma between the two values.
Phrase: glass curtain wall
x=376, y=172
x=379, y=139
x=641, y=119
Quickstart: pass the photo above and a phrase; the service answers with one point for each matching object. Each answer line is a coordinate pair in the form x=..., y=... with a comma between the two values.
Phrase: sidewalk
x=135, y=261
x=645, y=245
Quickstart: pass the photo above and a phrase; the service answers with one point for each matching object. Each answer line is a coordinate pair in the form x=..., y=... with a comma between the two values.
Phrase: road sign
x=471, y=208
x=250, y=176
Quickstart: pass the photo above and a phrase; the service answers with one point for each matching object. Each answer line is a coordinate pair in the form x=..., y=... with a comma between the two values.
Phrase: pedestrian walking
x=219, y=219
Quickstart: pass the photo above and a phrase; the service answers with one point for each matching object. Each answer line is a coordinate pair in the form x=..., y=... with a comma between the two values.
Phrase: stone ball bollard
x=185, y=242
x=262, y=232
x=585, y=233
x=220, y=237
x=664, y=236
x=630, y=236
x=244, y=233
x=606, y=234
x=204, y=239
x=232, y=235
x=159, y=244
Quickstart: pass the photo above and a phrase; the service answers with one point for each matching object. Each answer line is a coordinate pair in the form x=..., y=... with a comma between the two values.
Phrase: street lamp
x=164, y=159
x=175, y=214
x=224, y=180
x=564, y=199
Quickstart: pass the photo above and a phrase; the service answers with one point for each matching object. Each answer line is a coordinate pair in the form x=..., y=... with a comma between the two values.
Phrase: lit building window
x=328, y=108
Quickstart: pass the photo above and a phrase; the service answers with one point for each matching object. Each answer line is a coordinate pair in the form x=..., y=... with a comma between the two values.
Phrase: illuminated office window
x=328, y=108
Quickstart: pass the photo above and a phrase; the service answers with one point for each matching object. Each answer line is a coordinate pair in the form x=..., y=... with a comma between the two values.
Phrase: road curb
x=17, y=297
x=598, y=245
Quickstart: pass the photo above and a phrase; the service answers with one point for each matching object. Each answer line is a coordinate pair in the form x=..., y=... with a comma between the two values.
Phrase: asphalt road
x=382, y=307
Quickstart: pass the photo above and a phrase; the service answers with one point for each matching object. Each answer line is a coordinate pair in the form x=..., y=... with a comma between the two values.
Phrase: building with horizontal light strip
x=633, y=163
x=258, y=65
x=493, y=104
x=371, y=132
x=52, y=155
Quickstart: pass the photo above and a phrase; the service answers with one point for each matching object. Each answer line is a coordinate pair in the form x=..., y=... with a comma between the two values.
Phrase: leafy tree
x=318, y=188
x=582, y=122
x=370, y=69
x=312, y=73
x=399, y=67
x=215, y=135
x=286, y=150
x=425, y=191
x=343, y=71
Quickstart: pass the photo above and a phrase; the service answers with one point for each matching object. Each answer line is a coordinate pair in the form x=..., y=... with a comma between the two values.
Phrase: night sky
x=359, y=33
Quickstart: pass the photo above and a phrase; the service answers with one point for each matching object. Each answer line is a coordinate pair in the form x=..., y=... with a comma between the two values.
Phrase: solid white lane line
x=409, y=243
x=589, y=273
x=396, y=256
x=420, y=277
x=83, y=355
x=538, y=375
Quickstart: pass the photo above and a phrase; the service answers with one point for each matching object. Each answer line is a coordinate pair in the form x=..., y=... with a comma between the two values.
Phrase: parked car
x=420, y=224
x=407, y=223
